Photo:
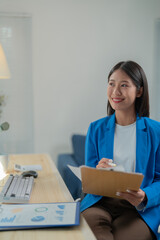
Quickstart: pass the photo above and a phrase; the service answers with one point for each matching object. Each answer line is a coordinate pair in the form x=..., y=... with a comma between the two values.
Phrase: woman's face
x=122, y=92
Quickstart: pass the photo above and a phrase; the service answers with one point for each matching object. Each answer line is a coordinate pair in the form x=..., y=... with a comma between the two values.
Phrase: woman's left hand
x=135, y=198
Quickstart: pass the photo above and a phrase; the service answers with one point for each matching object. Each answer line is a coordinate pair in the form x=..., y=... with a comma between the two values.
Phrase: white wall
x=75, y=44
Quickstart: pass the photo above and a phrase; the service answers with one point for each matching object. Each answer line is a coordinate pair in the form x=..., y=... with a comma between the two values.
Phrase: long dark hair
x=137, y=75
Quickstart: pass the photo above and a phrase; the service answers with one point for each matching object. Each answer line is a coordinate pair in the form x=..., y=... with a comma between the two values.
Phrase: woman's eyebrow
x=124, y=81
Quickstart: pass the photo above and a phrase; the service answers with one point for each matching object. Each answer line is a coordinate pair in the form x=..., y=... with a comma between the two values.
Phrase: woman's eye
x=124, y=85
x=111, y=84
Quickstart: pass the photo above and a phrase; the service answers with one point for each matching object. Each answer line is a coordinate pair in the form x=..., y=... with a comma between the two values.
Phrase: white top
x=125, y=146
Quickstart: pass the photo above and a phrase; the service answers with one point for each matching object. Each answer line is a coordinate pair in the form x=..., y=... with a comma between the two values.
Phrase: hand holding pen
x=105, y=163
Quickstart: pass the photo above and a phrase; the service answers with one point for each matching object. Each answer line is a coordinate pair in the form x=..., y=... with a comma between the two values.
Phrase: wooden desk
x=49, y=187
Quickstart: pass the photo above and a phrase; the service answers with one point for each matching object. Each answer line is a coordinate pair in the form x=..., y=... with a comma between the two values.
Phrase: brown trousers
x=115, y=219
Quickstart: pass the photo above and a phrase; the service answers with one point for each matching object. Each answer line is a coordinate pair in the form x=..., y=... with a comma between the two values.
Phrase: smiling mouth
x=117, y=100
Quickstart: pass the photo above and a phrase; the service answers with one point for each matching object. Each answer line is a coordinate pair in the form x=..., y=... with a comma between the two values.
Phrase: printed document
x=41, y=215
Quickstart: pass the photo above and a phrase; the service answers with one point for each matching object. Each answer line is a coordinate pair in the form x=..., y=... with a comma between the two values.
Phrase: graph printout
x=41, y=215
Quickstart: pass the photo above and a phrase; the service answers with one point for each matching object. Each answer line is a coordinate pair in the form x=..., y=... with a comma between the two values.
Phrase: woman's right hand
x=105, y=163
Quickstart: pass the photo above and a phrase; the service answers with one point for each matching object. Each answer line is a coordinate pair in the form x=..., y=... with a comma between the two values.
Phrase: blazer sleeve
x=153, y=190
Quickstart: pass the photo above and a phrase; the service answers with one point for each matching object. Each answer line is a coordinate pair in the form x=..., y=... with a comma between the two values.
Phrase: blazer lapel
x=141, y=145
x=107, y=141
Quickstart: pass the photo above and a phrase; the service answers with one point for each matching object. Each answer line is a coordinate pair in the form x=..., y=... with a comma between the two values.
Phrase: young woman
x=128, y=137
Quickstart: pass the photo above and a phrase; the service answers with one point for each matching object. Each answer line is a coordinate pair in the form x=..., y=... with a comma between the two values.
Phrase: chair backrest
x=78, y=144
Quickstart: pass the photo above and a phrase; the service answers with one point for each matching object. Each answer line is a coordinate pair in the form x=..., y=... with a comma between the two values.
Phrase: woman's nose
x=117, y=91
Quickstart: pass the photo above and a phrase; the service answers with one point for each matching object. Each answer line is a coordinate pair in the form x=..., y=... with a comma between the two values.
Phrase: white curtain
x=15, y=38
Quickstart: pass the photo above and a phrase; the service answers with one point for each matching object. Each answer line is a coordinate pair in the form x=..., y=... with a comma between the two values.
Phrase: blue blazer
x=99, y=144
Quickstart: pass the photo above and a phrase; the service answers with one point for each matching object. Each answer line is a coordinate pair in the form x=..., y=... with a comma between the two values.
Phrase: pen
x=112, y=164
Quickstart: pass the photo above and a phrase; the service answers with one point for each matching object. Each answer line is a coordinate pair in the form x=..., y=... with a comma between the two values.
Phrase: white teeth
x=117, y=100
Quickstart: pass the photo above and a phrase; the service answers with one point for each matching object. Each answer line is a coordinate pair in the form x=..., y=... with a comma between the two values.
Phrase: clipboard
x=39, y=215
x=107, y=182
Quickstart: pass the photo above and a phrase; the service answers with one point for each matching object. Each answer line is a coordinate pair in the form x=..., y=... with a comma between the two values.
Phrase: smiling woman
x=131, y=139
